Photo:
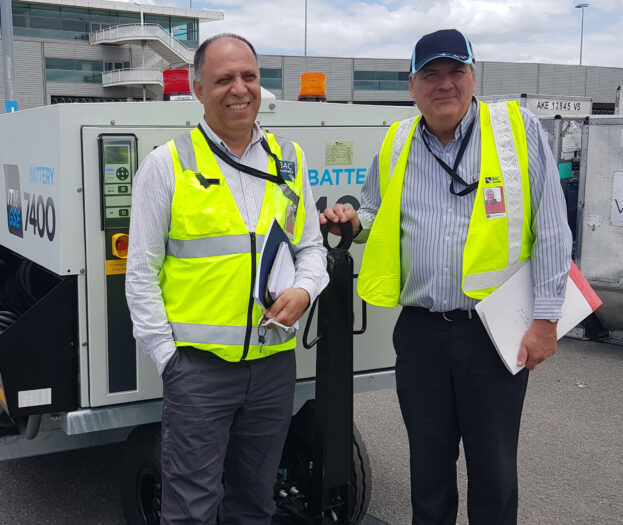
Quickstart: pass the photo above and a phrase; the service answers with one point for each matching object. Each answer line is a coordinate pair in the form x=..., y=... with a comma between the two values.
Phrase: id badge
x=495, y=206
x=290, y=220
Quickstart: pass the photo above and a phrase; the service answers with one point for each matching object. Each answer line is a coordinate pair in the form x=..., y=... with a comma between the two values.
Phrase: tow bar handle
x=346, y=239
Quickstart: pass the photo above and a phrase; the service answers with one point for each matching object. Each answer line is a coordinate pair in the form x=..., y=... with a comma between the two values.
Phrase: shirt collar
x=256, y=136
x=461, y=129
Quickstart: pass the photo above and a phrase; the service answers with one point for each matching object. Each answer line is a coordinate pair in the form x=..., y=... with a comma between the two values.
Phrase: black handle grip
x=346, y=235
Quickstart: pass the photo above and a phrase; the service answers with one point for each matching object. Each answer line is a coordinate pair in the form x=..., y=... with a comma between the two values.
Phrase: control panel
x=118, y=164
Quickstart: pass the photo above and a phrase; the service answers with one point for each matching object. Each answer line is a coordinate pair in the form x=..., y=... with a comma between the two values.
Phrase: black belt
x=452, y=315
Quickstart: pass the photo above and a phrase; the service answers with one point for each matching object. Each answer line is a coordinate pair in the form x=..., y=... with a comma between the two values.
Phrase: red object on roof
x=176, y=82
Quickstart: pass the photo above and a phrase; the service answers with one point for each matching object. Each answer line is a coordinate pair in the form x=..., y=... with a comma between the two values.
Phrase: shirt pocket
x=207, y=205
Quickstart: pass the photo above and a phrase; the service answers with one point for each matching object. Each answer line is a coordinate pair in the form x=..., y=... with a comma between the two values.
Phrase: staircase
x=152, y=35
x=169, y=53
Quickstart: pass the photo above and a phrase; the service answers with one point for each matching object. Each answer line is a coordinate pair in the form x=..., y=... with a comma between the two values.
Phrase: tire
x=295, y=463
x=142, y=488
x=361, y=478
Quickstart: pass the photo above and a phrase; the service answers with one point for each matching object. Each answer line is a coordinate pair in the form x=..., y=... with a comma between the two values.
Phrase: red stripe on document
x=585, y=289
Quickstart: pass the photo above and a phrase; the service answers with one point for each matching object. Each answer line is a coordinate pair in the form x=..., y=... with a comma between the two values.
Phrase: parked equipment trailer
x=71, y=375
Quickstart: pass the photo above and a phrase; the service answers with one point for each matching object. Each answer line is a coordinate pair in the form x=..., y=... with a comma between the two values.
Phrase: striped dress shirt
x=434, y=222
x=152, y=192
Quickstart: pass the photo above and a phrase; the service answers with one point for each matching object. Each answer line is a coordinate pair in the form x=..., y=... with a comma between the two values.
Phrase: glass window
x=180, y=28
x=270, y=83
x=58, y=75
x=20, y=9
x=45, y=10
x=60, y=63
x=381, y=80
x=386, y=75
x=76, y=26
x=73, y=71
x=102, y=15
x=89, y=65
x=364, y=75
x=270, y=72
x=40, y=22
x=162, y=21
x=72, y=77
x=128, y=18
x=365, y=85
x=19, y=21
x=109, y=66
x=74, y=13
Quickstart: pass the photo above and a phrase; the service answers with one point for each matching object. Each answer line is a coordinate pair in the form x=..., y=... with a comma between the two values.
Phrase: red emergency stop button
x=120, y=242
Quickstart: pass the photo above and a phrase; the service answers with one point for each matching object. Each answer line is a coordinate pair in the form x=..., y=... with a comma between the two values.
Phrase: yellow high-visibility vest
x=494, y=246
x=207, y=275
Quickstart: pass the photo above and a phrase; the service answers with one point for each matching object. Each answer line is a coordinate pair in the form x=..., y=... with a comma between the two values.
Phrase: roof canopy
x=135, y=7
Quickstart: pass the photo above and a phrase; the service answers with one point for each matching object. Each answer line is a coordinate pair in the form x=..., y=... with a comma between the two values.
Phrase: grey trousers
x=223, y=430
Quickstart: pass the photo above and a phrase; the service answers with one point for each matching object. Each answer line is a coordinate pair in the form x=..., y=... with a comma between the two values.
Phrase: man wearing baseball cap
x=432, y=248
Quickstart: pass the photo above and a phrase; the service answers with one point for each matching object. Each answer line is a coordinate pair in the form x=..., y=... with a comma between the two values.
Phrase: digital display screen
x=117, y=154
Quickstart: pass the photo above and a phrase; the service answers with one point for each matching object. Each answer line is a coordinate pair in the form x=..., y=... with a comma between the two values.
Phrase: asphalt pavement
x=570, y=456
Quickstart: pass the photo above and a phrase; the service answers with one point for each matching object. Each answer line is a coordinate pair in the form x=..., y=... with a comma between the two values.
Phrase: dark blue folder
x=272, y=241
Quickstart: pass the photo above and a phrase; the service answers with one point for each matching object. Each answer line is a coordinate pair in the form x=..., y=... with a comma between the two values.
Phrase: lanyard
x=276, y=179
x=452, y=171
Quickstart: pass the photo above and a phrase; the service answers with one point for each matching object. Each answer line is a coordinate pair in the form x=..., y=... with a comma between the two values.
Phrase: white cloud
x=515, y=30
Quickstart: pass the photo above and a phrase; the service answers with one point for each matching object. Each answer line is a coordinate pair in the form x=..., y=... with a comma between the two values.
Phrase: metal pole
x=305, y=54
x=6, y=12
x=581, y=35
x=581, y=6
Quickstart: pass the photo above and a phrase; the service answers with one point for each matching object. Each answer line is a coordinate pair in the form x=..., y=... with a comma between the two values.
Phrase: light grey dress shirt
x=152, y=192
x=434, y=222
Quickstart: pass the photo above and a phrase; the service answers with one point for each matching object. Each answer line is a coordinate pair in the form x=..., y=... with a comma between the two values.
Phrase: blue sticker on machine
x=288, y=169
x=13, y=199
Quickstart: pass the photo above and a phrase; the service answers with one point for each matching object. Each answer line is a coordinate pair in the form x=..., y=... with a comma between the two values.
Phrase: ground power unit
x=71, y=374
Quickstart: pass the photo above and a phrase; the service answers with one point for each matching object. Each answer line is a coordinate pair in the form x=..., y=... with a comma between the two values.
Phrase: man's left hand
x=289, y=306
x=538, y=343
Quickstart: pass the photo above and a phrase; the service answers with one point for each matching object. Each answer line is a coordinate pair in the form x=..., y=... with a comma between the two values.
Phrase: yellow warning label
x=116, y=266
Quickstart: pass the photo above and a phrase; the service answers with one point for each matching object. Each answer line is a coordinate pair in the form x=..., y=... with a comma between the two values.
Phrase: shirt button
x=445, y=301
x=446, y=238
x=449, y=210
x=445, y=270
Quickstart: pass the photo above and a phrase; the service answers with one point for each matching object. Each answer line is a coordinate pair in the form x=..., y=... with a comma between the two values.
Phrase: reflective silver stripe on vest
x=400, y=138
x=213, y=246
x=511, y=173
x=226, y=335
x=186, y=151
x=288, y=151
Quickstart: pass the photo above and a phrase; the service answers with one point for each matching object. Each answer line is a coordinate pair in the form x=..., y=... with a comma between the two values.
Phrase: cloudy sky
x=500, y=30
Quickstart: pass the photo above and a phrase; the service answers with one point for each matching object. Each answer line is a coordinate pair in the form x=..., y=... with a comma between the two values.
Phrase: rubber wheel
x=296, y=460
x=361, y=478
x=142, y=487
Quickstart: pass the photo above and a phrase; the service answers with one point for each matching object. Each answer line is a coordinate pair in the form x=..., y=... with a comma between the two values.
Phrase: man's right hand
x=340, y=213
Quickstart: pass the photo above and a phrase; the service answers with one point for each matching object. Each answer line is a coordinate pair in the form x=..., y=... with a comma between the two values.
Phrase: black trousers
x=452, y=385
x=223, y=430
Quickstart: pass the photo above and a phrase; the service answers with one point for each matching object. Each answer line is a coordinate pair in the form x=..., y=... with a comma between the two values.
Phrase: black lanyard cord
x=452, y=171
x=277, y=179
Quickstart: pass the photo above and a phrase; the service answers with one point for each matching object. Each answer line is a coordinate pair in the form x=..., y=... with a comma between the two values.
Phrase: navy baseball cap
x=446, y=43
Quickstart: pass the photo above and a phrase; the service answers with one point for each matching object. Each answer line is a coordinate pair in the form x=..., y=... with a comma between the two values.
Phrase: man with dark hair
x=201, y=206
x=433, y=248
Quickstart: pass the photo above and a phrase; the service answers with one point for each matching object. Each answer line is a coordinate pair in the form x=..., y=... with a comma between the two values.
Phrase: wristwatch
x=553, y=320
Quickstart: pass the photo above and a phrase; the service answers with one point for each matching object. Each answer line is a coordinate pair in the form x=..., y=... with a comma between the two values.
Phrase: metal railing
x=132, y=76
x=143, y=32
x=153, y=62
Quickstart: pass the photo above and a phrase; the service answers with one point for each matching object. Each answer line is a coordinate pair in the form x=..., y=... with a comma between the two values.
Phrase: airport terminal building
x=100, y=50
